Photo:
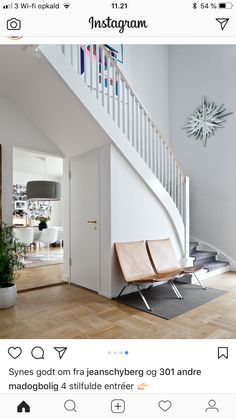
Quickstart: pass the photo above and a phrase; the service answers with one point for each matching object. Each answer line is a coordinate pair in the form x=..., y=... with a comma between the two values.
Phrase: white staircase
x=127, y=123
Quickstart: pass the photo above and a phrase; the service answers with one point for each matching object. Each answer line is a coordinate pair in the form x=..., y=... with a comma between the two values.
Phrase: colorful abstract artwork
x=116, y=52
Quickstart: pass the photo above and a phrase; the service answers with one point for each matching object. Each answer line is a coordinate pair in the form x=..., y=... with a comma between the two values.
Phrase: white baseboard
x=104, y=294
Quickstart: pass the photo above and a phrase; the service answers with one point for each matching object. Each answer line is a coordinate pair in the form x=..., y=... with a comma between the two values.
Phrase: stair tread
x=217, y=264
x=198, y=254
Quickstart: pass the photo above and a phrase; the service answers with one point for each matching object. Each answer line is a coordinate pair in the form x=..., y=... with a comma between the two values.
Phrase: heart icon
x=165, y=405
x=14, y=352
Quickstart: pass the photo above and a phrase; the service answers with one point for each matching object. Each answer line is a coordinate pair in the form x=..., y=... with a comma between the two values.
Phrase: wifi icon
x=66, y=5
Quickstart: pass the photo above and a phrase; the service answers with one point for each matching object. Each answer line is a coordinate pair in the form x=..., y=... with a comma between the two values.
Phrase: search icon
x=70, y=405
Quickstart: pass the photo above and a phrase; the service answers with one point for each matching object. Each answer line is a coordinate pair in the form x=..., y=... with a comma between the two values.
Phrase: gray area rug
x=164, y=302
x=35, y=262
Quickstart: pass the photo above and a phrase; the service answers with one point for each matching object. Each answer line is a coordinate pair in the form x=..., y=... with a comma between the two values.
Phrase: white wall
x=16, y=130
x=136, y=214
x=146, y=70
x=129, y=211
x=196, y=71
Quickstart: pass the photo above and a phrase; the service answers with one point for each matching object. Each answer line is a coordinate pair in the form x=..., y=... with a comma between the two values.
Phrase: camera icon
x=13, y=24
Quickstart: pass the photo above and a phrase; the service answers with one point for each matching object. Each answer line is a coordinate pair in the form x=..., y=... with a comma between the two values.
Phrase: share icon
x=223, y=22
x=61, y=351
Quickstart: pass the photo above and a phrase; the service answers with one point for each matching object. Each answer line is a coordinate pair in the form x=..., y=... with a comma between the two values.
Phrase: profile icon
x=212, y=406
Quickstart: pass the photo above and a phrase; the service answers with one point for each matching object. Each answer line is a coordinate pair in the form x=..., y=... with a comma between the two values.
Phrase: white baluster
x=169, y=169
x=78, y=64
x=165, y=165
x=97, y=71
x=179, y=189
x=172, y=176
x=158, y=156
x=91, y=66
x=61, y=48
x=141, y=131
x=123, y=106
x=162, y=162
x=128, y=113
x=154, y=147
x=85, y=64
x=175, y=184
x=118, y=98
x=114, y=90
x=149, y=144
x=186, y=216
x=137, y=127
x=74, y=56
x=71, y=55
x=67, y=52
x=181, y=195
x=103, y=76
x=108, y=83
x=145, y=139
x=132, y=117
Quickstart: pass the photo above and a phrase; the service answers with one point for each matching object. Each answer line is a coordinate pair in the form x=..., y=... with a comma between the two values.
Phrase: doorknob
x=92, y=221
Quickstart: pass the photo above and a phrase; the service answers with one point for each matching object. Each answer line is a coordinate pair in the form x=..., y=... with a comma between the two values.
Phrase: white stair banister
x=109, y=86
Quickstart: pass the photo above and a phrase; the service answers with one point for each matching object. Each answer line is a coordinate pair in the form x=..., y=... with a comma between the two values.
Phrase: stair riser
x=210, y=274
x=218, y=266
x=203, y=261
x=193, y=246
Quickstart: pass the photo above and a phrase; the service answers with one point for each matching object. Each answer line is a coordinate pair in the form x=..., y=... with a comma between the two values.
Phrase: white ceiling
x=17, y=62
x=27, y=162
x=37, y=89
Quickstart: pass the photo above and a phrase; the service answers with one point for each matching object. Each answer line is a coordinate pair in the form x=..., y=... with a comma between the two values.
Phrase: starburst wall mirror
x=206, y=119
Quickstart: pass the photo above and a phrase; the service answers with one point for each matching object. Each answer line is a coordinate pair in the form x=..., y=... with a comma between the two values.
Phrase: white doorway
x=44, y=266
x=84, y=221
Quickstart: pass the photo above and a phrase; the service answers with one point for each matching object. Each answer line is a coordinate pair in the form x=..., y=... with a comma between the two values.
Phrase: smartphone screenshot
x=117, y=209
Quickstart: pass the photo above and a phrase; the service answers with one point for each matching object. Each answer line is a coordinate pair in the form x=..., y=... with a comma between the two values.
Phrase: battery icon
x=226, y=5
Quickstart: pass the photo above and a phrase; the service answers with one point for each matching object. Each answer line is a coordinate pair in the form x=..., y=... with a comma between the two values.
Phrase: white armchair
x=25, y=236
x=48, y=236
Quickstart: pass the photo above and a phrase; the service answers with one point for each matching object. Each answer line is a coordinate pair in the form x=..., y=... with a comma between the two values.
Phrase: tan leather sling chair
x=137, y=268
x=164, y=259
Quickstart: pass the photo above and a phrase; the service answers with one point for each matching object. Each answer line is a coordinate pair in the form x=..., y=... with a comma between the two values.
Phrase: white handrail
x=100, y=72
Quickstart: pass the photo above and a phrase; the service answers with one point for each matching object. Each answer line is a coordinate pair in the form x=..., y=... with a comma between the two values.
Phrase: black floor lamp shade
x=43, y=190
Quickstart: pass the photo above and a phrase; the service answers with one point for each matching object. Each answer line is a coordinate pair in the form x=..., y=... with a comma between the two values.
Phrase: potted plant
x=12, y=253
x=42, y=222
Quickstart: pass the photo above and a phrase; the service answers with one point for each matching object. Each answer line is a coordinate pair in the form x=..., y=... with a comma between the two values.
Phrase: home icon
x=23, y=407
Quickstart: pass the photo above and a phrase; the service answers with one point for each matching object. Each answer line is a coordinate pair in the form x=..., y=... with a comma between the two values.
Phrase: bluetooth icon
x=194, y=5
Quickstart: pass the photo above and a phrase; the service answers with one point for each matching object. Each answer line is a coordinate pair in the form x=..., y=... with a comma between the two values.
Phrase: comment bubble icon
x=37, y=352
